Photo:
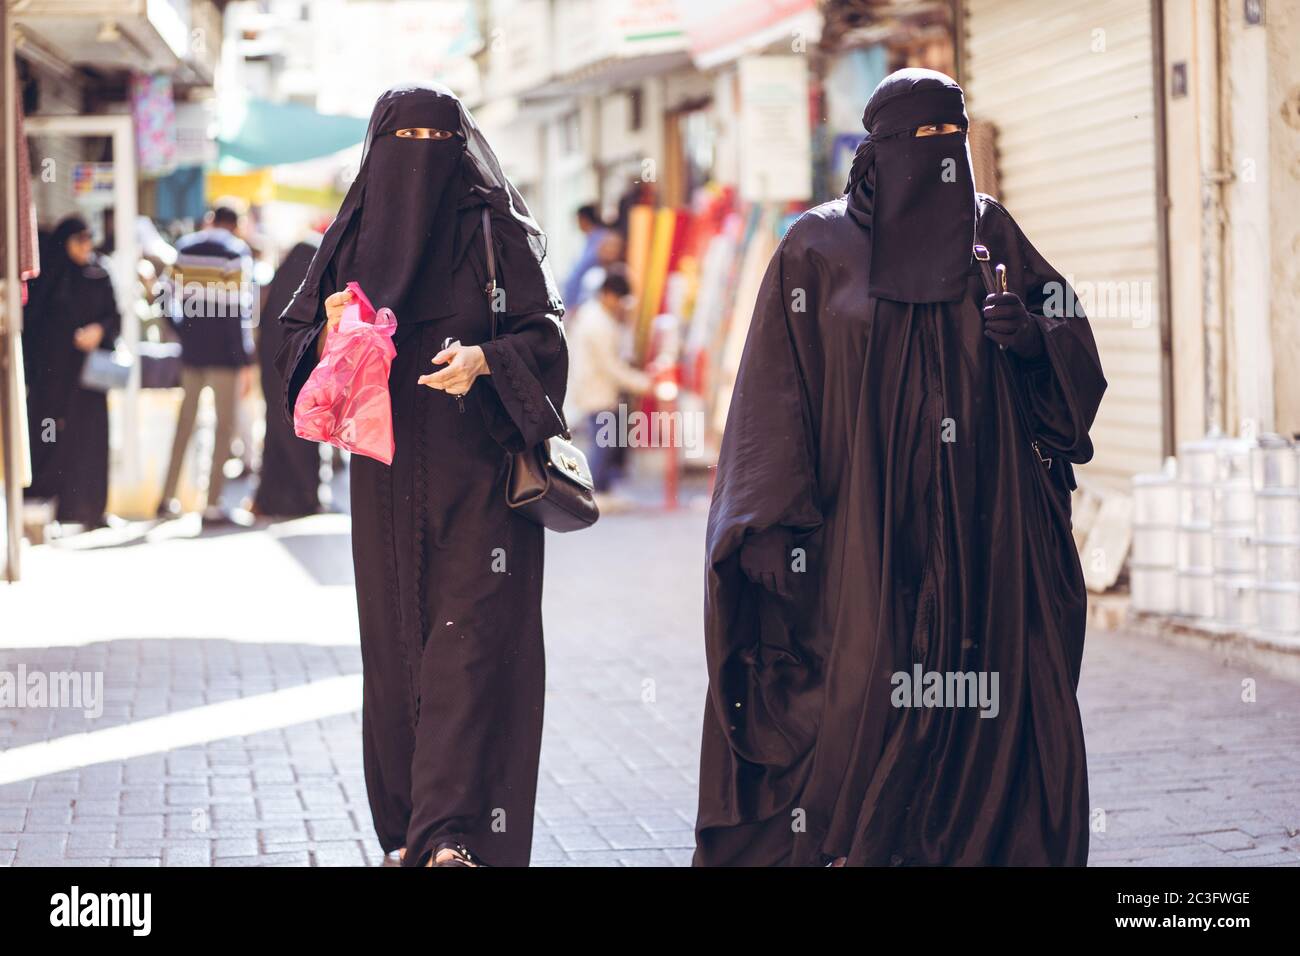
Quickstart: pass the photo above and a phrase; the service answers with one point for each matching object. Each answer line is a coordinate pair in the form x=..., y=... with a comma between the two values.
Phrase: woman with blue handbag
x=71, y=312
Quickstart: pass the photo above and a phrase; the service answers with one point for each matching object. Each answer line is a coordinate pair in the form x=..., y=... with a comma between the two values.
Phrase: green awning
x=269, y=134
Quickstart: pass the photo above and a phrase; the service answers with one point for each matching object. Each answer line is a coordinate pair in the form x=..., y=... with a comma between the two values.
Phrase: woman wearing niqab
x=892, y=502
x=288, y=483
x=70, y=311
x=448, y=578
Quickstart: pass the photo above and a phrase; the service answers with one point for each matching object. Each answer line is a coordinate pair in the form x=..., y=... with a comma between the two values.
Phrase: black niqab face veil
x=408, y=217
x=406, y=233
x=915, y=194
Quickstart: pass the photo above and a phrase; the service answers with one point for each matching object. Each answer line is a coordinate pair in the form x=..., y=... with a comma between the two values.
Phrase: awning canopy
x=269, y=134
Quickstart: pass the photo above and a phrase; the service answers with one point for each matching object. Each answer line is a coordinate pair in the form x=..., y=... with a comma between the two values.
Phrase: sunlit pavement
x=230, y=727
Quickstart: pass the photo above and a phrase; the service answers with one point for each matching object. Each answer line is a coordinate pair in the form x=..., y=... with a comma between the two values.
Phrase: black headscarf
x=411, y=213
x=916, y=195
x=57, y=261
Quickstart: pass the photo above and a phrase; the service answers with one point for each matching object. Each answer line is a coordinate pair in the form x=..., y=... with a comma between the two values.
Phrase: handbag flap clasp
x=569, y=461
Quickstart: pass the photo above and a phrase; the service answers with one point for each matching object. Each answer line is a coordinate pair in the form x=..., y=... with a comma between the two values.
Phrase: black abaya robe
x=67, y=424
x=448, y=578
x=289, y=482
x=878, y=506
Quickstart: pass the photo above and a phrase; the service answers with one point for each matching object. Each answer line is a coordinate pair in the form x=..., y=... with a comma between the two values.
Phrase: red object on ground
x=345, y=400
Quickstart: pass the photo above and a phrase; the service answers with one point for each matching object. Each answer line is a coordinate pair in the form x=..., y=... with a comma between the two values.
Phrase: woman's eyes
x=423, y=133
x=937, y=129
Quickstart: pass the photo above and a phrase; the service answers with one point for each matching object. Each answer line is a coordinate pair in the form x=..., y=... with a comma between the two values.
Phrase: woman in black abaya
x=449, y=579
x=289, y=480
x=70, y=312
x=892, y=501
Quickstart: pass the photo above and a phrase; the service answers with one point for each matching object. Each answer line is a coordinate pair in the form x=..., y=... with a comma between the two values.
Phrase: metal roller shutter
x=1077, y=165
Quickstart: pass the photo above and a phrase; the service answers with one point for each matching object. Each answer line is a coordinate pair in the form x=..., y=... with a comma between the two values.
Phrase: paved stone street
x=230, y=726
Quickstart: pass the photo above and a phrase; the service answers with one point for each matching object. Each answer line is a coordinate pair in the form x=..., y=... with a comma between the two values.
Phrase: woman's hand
x=334, y=306
x=465, y=364
x=88, y=337
x=1008, y=323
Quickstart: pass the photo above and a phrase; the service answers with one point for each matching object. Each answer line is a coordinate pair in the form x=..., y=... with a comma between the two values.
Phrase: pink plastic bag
x=345, y=400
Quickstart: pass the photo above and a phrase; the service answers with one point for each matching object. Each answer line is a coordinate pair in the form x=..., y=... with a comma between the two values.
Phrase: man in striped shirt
x=211, y=308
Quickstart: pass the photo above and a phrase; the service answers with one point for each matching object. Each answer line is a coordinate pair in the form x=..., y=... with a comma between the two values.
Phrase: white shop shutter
x=1077, y=162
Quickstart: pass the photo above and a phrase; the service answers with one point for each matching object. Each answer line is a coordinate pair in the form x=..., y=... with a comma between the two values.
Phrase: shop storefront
x=1076, y=144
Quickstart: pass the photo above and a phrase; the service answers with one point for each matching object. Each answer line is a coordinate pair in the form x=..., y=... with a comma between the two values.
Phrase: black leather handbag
x=550, y=483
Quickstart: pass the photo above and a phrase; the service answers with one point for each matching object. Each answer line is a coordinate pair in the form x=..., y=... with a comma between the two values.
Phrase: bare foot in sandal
x=452, y=854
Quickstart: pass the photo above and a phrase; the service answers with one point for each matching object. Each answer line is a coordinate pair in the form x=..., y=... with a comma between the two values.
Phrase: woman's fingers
x=460, y=372
x=453, y=369
x=451, y=379
x=451, y=388
x=334, y=306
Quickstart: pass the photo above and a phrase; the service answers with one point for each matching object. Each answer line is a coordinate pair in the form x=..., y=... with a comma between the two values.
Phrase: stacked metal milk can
x=1276, y=477
x=1216, y=536
x=1153, y=559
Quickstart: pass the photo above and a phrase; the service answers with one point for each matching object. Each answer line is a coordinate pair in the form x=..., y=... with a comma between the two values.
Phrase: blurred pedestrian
x=211, y=309
x=601, y=375
x=609, y=254
x=449, y=577
x=289, y=483
x=71, y=311
x=895, y=607
x=593, y=231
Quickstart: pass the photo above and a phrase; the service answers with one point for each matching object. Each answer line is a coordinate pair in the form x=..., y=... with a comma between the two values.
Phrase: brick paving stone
x=648, y=857
x=198, y=855
x=629, y=838
x=235, y=847
x=1185, y=771
x=575, y=839
x=283, y=833
x=1229, y=840
x=341, y=853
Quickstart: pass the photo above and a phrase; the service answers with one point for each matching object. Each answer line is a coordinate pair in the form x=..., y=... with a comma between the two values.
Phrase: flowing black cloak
x=72, y=468
x=881, y=438
x=449, y=579
x=289, y=482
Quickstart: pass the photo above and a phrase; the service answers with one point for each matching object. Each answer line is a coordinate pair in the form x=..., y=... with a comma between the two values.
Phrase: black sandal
x=460, y=856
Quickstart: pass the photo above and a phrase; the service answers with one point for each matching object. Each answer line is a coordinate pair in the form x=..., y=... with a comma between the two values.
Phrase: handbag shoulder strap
x=490, y=288
x=991, y=286
x=986, y=270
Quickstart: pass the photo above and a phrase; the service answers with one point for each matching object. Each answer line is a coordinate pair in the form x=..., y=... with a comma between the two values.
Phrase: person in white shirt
x=599, y=375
